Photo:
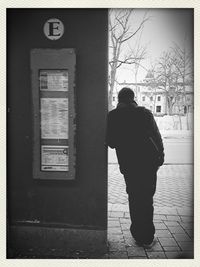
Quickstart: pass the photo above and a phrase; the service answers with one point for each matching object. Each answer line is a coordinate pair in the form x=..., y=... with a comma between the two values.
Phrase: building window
x=158, y=109
x=188, y=98
x=143, y=98
x=159, y=98
x=151, y=98
x=113, y=98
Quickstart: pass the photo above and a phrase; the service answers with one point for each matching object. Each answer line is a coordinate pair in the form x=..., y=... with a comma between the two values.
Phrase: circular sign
x=53, y=29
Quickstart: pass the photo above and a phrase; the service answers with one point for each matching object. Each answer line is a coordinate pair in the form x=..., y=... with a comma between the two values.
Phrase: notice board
x=54, y=114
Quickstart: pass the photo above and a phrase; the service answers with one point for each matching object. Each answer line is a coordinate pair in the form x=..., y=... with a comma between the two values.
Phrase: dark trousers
x=141, y=186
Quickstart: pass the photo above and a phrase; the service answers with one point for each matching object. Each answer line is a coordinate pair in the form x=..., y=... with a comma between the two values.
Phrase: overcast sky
x=165, y=27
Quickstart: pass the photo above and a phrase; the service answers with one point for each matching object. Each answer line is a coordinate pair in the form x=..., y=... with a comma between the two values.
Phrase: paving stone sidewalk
x=173, y=216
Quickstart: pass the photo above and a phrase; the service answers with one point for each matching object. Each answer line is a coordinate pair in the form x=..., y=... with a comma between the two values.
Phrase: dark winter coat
x=133, y=132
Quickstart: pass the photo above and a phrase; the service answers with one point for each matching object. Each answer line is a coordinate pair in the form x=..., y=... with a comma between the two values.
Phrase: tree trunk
x=110, y=96
x=179, y=116
x=112, y=84
x=187, y=119
x=181, y=128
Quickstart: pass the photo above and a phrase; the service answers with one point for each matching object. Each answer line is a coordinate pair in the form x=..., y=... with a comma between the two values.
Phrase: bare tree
x=173, y=72
x=167, y=77
x=183, y=62
x=141, y=51
x=121, y=31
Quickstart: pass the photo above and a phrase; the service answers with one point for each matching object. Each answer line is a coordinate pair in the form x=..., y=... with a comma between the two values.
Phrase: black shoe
x=139, y=243
x=149, y=245
x=146, y=245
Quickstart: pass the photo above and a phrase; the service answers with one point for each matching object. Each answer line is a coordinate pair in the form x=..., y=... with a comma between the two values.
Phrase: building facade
x=177, y=100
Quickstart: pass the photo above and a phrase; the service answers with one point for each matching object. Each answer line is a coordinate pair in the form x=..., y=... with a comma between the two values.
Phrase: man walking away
x=133, y=132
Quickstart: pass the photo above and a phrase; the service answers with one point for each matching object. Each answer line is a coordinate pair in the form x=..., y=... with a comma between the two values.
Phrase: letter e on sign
x=53, y=29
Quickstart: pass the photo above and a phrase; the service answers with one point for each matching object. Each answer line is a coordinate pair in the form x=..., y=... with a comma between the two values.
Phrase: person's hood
x=124, y=105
